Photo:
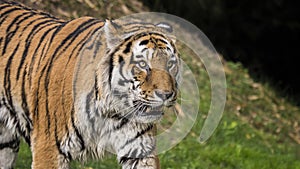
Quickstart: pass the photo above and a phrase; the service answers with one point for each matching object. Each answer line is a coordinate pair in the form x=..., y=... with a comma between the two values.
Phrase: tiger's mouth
x=150, y=114
x=153, y=111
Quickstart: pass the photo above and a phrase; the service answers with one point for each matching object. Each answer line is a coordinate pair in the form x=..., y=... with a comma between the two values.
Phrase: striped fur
x=67, y=109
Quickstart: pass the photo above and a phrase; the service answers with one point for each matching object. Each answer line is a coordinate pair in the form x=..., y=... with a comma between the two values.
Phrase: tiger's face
x=146, y=71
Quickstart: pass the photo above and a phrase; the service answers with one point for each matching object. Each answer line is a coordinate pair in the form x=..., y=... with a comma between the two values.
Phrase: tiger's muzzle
x=159, y=91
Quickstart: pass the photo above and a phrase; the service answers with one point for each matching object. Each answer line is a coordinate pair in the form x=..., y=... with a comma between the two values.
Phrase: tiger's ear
x=168, y=28
x=165, y=26
x=112, y=33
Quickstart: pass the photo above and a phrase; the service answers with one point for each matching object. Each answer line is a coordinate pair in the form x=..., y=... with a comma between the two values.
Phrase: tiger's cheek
x=135, y=71
x=139, y=78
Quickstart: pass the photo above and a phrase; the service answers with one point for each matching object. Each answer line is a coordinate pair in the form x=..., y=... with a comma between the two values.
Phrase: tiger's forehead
x=146, y=45
x=152, y=41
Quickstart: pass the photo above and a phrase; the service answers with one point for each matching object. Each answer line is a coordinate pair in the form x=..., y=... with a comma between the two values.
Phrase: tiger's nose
x=164, y=95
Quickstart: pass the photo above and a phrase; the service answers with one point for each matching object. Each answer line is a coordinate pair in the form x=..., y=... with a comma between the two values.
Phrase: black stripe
x=11, y=34
x=115, y=116
x=163, y=41
x=72, y=36
x=111, y=66
x=111, y=61
x=128, y=46
x=2, y=19
x=124, y=160
x=133, y=153
x=13, y=144
x=122, y=83
x=25, y=18
x=81, y=141
x=120, y=59
x=98, y=44
x=25, y=109
x=15, y=20
x=47, y=131
x=28, y=43
x=82, y=43
x=41, y=39
x=45, y=87
x=173, y=46
x=96, y=88
x=67, y=156
x=78, y=30
x=31, y=67
x=1, y=40
x=28, y=129
x=47, y=45
x=7, y=79
x=148, y=128
x=121, y=70
x=139, y=56
x=157, y=34
x=88, y=102
x=36, y=108
x=144, y=42
x=48, y=66
x=140, y=35
x=6, y=13
x=122, y=123
x=132, y=61
x=10, y=11
x=139, y=134
x=143, y=50
x=47, y=104
x=22, y=7
x=58, y=141
x=115, y=25
x=132, y=30
x=3, y=6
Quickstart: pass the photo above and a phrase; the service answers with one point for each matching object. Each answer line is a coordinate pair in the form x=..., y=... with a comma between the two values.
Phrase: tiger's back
x=38, y=54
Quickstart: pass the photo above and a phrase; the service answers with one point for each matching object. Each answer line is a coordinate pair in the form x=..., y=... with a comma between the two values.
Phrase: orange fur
x=38, y=58
x=57, y=65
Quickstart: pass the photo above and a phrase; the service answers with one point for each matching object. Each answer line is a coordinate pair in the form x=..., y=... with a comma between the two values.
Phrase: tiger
x=77, y=89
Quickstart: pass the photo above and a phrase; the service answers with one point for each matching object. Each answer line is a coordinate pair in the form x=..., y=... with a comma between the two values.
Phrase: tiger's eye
x=142, y=64
x=170, y=64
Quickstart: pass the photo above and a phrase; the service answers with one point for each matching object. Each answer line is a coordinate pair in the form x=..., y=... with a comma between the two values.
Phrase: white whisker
x=185, y=100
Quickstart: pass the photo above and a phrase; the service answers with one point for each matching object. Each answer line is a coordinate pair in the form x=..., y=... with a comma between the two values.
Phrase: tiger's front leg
x=45, y=153
x=136, y=148
x=150, y=162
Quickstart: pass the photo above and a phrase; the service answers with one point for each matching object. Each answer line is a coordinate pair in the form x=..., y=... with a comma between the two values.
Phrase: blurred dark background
x=262, y=35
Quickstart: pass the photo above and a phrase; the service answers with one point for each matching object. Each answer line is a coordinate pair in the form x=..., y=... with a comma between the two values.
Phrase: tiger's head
x=145, y=70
